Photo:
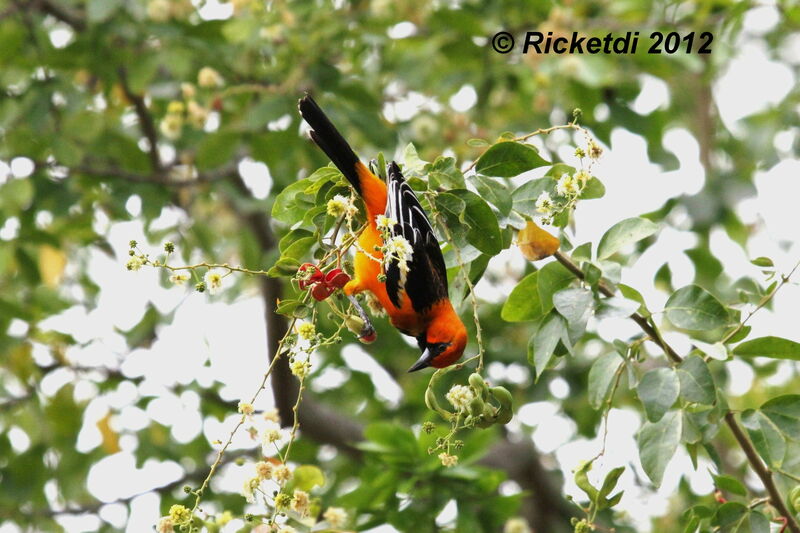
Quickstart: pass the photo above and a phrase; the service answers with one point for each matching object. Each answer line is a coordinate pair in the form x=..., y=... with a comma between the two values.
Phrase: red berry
x=320, y=291
x=315, y=277
x=337, y=278
x=369, y=338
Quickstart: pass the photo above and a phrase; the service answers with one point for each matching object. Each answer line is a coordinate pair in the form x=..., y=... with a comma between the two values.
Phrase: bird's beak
x=424, y=361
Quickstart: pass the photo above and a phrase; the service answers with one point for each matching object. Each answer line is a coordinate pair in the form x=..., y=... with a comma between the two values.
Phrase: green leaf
x=623, y=233
x=576, y=305
x=593, y=189
x=766, y=437
x=764, y=262
x=443, y=173
x=691, y=307
x=657, y=444
x=609, y=483
x=552, y=278
x=216, y=149
x=697, y=384
x=451, y=203
x=101, y=10
x=300, y=248
x=784, y=411
x=507, y=159
x=544, y=341
x=774, y=347
x=601, y=378
x=658, y=390
x=484, y=232
x=616, y=307
x=291, y=204
x=495, y=193
x=523, y=303
x=306, y=477
x=759, y=523
x=716, y=351
x=730, y=484
x=728, y=515
x=392, y=438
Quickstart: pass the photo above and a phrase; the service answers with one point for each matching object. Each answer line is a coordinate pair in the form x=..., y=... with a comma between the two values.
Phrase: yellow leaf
x=535, y=243
x=110, y=442
x=51, y=264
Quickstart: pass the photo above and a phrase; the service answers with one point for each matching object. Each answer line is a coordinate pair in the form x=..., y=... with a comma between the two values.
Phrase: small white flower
x=208, y=77
x=165, y=525
x=544, y=204
x=300, y=367
x=339, y=205
x=246, y=408
x=582, y=176
x=306, y=330
x=197, y=114
x=516, y=525
x=179, y=278
x=272, y=416
x=264, y=470
x=300, y=502
x=188, y=90
x=400, y=248
x=595, y=150
x=448, y=460
x=213, y=281
x=272, y=435
x=384, y=222
x=249, y=488
x=134, y=263
x=460, y=396
x=567, y=186
x=281, y=474
x=336, y=517
x=171, y=126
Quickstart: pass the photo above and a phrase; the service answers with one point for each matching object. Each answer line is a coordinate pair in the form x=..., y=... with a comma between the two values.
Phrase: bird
x=414, y=293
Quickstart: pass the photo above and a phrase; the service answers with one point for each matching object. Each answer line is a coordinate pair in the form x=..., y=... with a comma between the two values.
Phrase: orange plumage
x=416, y=303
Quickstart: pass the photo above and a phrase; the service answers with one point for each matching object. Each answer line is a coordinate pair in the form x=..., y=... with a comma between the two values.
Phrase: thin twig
x=644, y=324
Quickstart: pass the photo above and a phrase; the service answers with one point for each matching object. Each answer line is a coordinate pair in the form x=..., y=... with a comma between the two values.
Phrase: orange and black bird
x=414, y=295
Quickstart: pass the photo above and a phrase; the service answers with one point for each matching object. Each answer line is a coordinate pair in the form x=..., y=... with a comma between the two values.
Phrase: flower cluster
x=568, y=190
x=395, y=248
x=188, y=109
x=340, y=205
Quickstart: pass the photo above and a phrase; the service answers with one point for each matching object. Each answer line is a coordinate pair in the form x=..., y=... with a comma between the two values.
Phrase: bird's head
x=443, y=343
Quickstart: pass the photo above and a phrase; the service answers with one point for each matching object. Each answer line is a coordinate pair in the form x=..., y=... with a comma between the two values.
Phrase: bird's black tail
x=327, y=137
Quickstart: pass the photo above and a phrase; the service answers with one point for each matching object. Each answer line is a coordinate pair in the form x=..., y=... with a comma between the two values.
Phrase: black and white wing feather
x=425, y=280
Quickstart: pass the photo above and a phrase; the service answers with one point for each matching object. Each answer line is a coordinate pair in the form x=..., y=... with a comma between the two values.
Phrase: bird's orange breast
x=368, y=269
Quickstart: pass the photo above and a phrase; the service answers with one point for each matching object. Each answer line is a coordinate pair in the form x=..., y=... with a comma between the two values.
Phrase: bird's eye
x=439, y=347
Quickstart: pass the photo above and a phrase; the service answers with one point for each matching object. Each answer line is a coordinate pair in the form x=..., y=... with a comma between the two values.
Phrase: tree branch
x=651, y=331
x=60, y=12
x=753, y=458
x=146, y=123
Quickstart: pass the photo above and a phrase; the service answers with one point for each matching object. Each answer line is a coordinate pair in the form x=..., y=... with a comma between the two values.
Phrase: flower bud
x=354, y=323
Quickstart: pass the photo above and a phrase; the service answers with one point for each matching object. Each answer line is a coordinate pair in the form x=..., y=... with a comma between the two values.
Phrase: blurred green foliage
x=107, y=100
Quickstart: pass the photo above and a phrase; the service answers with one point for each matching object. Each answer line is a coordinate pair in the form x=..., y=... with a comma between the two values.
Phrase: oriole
x=414, y=295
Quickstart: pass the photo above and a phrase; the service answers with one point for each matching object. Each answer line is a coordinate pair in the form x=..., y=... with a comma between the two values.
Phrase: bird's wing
x=425, y=282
